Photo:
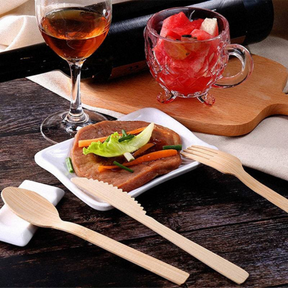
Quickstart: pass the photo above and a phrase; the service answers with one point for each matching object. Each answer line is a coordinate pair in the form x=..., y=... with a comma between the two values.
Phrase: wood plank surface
x=236, y=111
x=210, y=208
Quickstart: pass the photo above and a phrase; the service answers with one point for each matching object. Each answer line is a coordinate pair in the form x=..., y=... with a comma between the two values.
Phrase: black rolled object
x=122, y=52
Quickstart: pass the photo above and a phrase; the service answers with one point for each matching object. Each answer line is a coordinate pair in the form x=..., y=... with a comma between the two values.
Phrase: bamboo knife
x=125, y=203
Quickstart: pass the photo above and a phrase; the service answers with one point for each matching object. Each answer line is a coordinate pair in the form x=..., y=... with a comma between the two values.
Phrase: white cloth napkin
x=263, y=149
x=18, y=26
x=17, y=231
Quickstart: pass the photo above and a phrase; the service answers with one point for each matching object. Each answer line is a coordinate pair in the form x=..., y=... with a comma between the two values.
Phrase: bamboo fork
x=229, y=164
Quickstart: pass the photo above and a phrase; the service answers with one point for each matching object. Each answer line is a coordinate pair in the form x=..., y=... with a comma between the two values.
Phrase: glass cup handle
x=246, y=67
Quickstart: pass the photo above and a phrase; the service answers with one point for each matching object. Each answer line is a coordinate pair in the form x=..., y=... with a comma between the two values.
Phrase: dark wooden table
x=210, y=208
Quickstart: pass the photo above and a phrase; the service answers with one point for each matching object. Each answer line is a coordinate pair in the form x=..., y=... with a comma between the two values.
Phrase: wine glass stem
x=76, y=113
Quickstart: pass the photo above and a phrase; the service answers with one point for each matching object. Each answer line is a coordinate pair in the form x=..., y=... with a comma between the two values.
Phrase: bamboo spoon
x=35, y=209
x=229, y=164
x=124, y=202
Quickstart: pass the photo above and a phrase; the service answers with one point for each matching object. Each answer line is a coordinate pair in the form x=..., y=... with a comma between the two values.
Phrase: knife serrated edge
x=110, y=194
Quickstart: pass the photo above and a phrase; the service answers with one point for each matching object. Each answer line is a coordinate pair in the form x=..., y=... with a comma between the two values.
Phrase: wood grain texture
x=210, y=208
x=236, y=111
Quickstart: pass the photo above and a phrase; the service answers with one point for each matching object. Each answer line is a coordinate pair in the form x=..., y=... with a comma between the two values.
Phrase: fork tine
x=200, y=158
x=206, y=156
x=195, y=153
x=201, y=151
x=204, y=149
x=213, y=152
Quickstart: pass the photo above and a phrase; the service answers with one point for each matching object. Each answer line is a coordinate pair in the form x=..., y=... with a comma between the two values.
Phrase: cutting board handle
x=280, y=108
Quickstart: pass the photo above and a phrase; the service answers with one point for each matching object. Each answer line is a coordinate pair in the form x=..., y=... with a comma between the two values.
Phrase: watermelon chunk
x=176, y=50
x=195, y=24
x=201, y=34
x=179, y=24
x=176, y=23
x=172, y=35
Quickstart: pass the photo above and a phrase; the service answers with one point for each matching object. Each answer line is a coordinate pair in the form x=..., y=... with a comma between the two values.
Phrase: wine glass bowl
x=184, y=60
x=74, y=30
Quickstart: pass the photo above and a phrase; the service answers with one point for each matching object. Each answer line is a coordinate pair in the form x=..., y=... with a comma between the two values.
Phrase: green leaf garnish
x=113, y=148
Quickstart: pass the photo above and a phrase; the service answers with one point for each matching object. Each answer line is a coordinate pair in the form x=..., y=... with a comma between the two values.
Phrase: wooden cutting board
x=236, y=111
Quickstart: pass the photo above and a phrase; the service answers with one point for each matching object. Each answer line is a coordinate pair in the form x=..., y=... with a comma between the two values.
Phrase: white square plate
x=53, y=158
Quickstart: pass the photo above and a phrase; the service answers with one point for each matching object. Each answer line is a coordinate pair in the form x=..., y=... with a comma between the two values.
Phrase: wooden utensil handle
x=211, y=259
x=154, y=265
x=263, y=190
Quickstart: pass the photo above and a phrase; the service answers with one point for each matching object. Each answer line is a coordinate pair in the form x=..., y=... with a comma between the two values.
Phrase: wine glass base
x=55, y=128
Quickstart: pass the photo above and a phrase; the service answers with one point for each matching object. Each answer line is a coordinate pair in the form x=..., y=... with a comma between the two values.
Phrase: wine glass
x=74, y=30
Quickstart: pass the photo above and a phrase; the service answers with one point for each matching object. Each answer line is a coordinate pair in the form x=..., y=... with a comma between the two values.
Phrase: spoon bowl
x=31, y=207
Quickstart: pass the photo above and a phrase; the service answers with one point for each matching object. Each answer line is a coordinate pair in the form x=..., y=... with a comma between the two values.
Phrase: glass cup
x=74, y=30
x=187, y=64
